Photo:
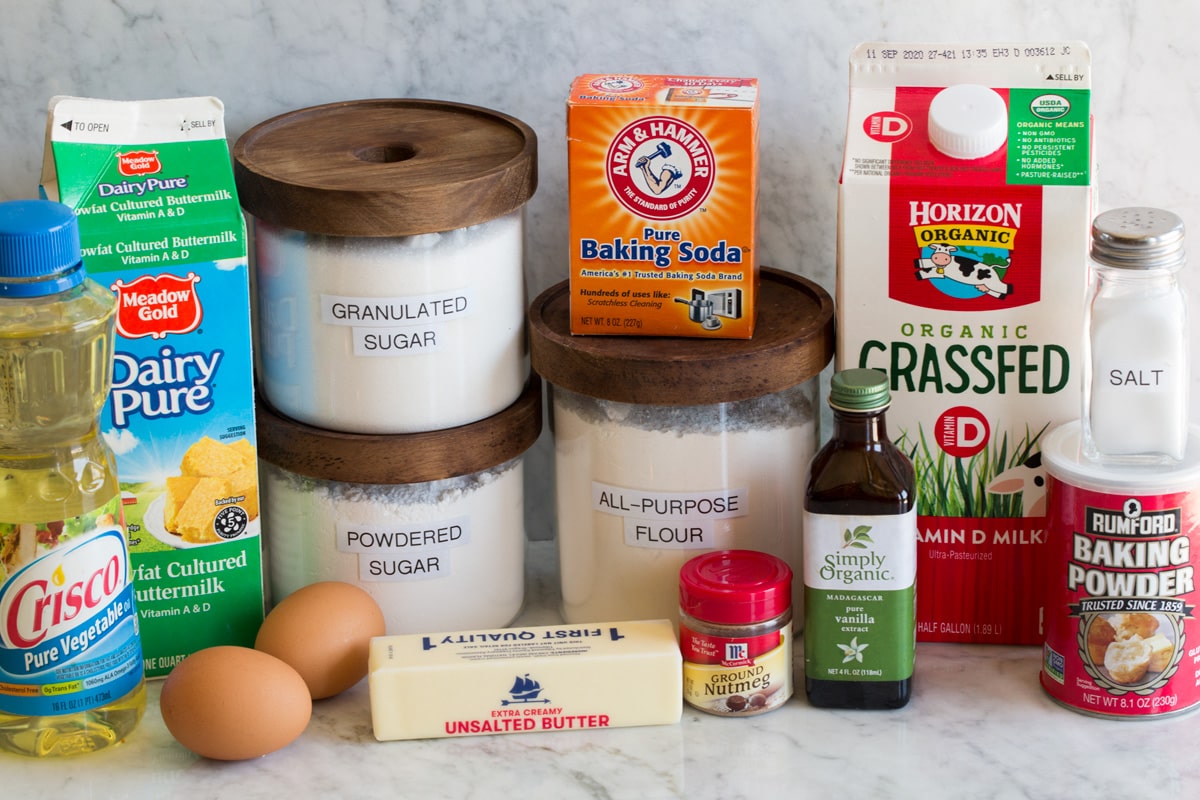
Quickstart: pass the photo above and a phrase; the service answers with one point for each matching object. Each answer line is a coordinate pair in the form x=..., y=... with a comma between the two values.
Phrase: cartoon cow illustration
x=1029, y=479
x=942, y=263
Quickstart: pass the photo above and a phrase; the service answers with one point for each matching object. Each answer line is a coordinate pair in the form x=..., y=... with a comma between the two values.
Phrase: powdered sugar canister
x=430, y=524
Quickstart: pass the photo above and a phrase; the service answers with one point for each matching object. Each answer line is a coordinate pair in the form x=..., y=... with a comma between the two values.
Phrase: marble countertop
x=978, y=726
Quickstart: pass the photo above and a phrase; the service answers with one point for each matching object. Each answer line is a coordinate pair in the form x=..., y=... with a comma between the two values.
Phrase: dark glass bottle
x=860, y=538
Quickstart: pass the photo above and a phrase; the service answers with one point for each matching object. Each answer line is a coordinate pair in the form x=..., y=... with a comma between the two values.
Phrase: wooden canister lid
x=401, y=458
x=793, y=341
x=385, y=167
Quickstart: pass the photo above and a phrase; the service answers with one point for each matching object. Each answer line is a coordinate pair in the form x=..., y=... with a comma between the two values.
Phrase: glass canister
x=1137, y=370
x=669, y=447
x=430, y=524
x=388, y=262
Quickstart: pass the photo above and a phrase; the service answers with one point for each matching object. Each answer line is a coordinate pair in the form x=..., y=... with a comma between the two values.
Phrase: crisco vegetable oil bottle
x=70, y=656
x=860, y=555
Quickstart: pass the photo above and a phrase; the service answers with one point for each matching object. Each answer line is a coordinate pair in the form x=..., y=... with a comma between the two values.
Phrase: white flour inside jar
x=392, y=334
x=642, y=489
x=439, y=555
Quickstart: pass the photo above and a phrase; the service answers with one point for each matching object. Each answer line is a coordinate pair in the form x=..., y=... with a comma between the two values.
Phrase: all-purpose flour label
x=962, y=275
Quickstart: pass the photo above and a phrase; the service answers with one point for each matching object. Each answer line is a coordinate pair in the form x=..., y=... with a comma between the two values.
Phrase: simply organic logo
x=56, y=595
x=157, y=305
x=660, y=168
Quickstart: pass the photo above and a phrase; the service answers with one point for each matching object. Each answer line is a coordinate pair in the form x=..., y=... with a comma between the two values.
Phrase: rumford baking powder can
x=1122, y=638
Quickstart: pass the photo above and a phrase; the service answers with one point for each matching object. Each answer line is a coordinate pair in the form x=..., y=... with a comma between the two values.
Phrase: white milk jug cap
x=968, y=121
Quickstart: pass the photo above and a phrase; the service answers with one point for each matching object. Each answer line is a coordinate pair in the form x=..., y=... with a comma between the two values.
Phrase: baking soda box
x=964, y=217
x=161, y=226
x=663, y=176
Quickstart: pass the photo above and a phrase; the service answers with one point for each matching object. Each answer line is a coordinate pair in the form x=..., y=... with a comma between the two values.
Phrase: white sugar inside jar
x=392, y=334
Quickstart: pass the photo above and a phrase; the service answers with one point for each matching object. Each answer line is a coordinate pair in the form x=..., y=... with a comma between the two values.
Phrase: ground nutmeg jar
x=735, y=631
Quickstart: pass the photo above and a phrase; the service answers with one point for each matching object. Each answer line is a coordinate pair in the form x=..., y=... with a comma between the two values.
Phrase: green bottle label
x=860, y=596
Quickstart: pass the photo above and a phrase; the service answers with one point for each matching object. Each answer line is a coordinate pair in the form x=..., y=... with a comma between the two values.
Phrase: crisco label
x=1121, y=627
x=68, y=630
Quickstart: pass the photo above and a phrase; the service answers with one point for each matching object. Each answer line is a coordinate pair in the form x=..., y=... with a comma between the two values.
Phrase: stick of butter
x=512, y=680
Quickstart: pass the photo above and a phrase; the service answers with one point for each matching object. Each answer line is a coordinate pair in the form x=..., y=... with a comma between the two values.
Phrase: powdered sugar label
x=416, y=552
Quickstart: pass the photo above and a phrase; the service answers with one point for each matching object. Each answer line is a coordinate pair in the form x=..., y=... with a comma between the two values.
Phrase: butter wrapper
x=520, y=680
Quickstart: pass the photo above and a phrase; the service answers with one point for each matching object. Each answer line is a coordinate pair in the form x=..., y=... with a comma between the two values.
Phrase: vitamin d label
x=1120, y=624
x=69, y=640
x=859, y=589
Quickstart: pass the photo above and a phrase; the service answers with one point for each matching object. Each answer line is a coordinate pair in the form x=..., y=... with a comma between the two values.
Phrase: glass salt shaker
x=1135, y=396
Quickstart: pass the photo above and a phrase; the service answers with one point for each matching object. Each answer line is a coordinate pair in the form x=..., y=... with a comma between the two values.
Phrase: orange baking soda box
x=663, y=180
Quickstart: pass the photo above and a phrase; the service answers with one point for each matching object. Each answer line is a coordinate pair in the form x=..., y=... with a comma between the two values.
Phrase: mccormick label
x=1121, y=632
x=161, y=226
x=964, y=280
x=662, y=173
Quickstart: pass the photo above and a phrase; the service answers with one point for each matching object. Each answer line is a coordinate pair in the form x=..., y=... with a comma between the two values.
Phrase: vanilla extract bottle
x=860, y=553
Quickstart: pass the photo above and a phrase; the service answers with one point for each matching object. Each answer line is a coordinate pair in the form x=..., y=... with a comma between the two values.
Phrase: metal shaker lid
x=1138, y=238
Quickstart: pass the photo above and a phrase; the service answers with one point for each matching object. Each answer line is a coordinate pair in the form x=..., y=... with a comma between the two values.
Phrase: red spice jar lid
x=735, y=587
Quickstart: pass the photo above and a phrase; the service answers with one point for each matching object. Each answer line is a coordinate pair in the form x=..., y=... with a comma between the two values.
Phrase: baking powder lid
x=400, y=458
x=1062, y=456
x=793, y=341
x=385, y=167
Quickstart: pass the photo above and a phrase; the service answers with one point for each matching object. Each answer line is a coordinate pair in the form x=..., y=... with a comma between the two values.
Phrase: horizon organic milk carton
x=964, y=215
x=663, y=180
x=152, y=185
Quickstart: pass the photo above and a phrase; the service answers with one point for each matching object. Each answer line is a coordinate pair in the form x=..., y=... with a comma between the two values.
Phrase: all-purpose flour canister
x=1122, y=638
x=669, y=447
x=430, y=524
x=388, y=262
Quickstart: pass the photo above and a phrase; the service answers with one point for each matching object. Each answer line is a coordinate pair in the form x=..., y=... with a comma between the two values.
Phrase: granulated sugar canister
x=388, y=262
x=430, y=524
x=1121, y=635
x=669, y=447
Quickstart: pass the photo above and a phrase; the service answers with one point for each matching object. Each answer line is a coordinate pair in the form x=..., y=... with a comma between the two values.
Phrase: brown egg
x=323, y=631
x=232, y=703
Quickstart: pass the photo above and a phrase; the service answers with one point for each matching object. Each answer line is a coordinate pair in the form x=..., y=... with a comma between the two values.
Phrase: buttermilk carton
x=963, y=222
x=662, y=173
x=160, y=225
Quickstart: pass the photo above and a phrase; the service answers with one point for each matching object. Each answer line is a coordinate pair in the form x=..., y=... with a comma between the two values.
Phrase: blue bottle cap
x=39, y=248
